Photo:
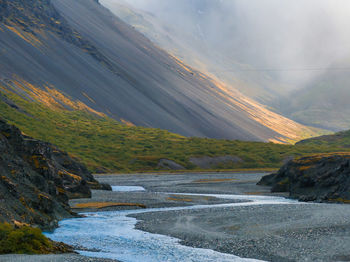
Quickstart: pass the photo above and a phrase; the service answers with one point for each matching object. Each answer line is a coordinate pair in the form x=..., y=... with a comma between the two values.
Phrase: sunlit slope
x=105, y=145
x=192, y=33
x=81, y=50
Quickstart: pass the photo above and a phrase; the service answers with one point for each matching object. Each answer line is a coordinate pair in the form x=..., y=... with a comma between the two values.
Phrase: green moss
x=24, y=240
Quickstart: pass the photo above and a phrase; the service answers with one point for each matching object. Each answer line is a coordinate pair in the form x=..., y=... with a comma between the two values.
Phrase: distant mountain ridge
x=82, y=51
x=324, y=102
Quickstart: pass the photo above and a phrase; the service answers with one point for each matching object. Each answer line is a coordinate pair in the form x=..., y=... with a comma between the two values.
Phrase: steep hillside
x=37, y=179
x=80, y=50
x=189, y=30
x=253, y=52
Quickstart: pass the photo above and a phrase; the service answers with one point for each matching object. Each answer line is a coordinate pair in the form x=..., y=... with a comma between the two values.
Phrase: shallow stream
x=113, y=235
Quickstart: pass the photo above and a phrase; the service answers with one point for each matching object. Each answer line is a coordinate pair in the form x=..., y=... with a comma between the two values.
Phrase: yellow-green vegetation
x=340, y=139
x=23, y=240
x=105, y=144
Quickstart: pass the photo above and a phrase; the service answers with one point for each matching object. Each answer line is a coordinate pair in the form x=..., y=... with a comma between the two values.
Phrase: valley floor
x=291, y=232
x=298, y=232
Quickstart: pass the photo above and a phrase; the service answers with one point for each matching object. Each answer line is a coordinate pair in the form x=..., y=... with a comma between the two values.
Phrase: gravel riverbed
x=297, y=232
x=301, y=232
x=288, y=232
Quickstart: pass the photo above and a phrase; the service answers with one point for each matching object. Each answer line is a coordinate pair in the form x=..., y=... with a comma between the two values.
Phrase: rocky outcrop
x=323, y=178
x=37, y=180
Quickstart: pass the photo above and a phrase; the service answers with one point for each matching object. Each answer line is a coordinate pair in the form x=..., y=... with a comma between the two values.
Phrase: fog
x=291, y=40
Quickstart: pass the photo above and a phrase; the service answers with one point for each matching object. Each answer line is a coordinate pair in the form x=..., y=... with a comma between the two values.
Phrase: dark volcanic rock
x=324, y=178
x=37, y=179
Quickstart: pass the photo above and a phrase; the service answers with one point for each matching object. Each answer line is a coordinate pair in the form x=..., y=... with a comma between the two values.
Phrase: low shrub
x=23, y=240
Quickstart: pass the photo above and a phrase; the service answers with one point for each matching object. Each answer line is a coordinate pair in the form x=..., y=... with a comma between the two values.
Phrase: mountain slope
x=324, y=102
x=254, y=53
x=82, y=50
x=189, y=30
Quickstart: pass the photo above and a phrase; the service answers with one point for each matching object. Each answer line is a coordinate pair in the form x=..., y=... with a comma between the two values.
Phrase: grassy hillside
x=340, y=139
x=106, y=145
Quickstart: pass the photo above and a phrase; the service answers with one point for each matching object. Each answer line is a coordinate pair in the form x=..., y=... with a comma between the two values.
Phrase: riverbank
x=271, y=232
x=211, y=183
x=159, y=190
x=268, y=232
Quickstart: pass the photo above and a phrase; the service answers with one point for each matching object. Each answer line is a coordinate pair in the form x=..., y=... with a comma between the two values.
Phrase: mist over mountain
x=268, y=34
x=266, y=49
x=323, y=103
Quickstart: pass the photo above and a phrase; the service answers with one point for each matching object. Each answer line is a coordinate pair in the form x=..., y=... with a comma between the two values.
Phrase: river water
x=113, y=235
